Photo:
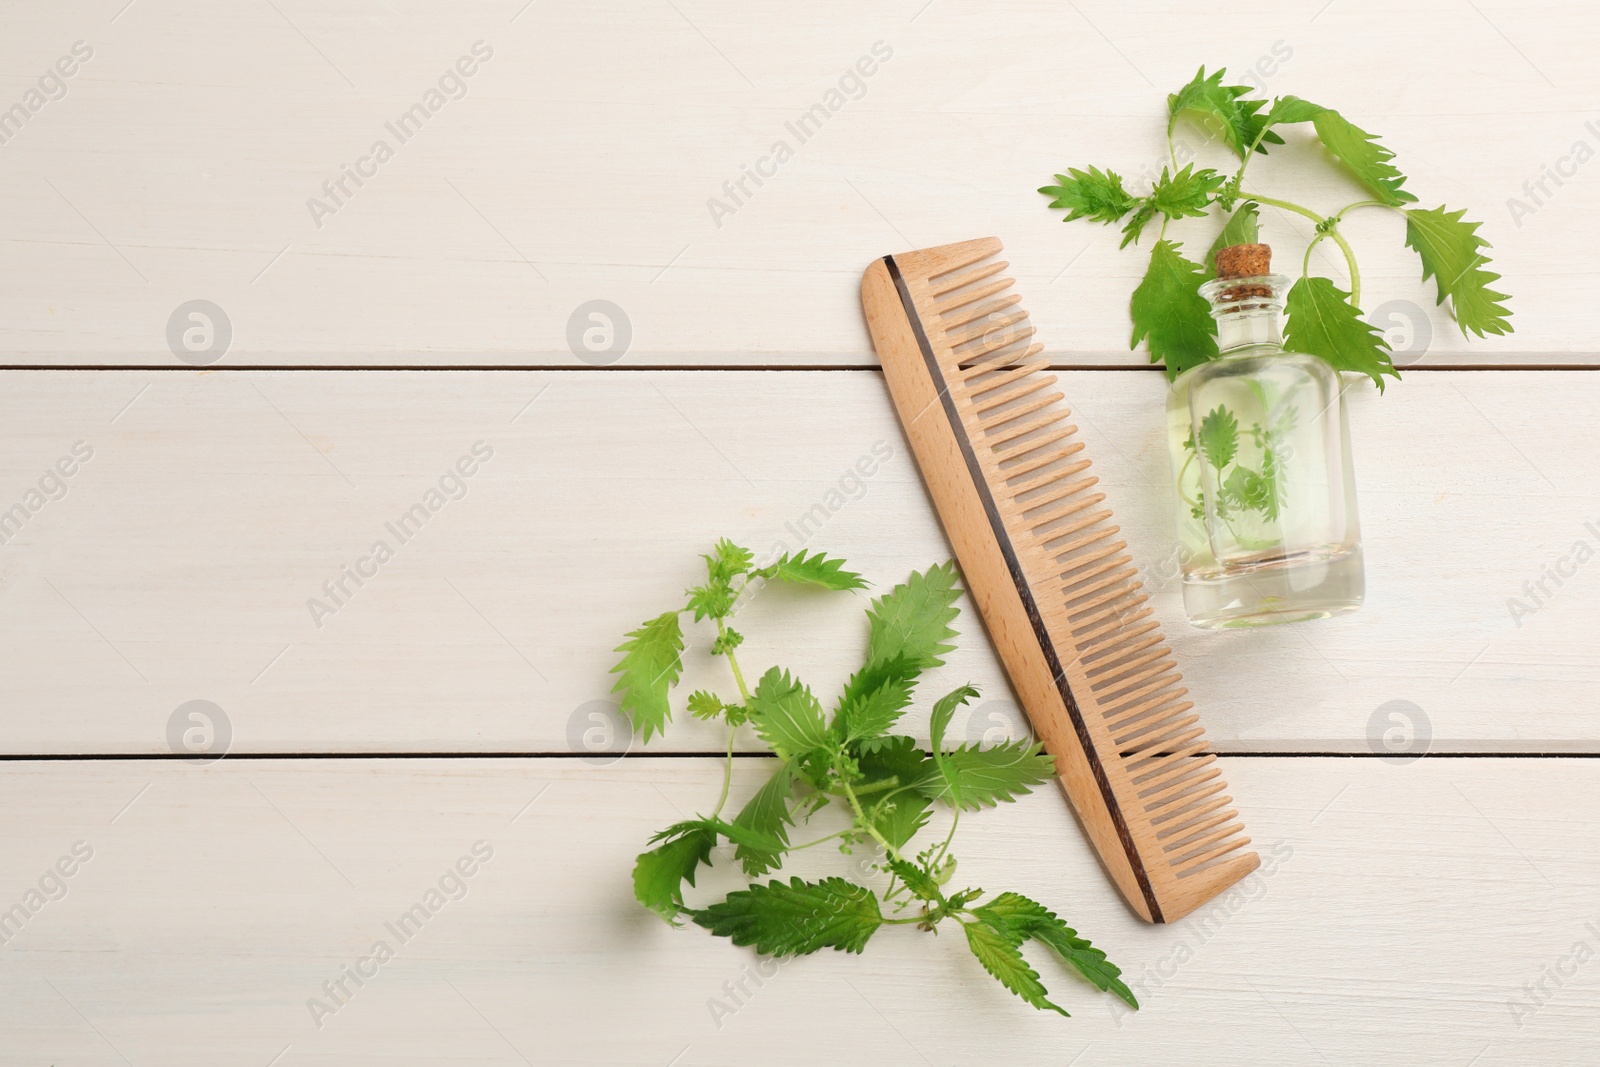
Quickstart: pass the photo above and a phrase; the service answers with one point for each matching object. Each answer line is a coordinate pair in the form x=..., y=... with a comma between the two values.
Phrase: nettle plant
x=851, y=762
x=1323, y=320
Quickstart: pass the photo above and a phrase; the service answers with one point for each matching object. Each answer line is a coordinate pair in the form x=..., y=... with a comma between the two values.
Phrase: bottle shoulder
x=1258, y=361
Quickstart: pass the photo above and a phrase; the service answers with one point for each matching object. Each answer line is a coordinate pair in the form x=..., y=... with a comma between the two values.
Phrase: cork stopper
x=1244, y=261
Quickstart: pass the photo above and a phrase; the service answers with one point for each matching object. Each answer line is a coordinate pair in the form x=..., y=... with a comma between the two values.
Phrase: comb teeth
x=1058, y=588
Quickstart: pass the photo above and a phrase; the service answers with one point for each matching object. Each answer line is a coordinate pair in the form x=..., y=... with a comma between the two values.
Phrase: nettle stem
x=935, y=907
x=1327, y=226
x=744, y=693
x=733, y=664
x=727, y=774
x=864, y=823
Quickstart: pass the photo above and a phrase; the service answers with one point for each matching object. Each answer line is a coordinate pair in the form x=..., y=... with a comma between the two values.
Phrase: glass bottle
x=1260, y=446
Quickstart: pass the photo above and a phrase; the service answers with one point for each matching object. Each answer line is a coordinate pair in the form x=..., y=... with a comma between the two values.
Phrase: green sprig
x=1169, y=314
x=886, y=783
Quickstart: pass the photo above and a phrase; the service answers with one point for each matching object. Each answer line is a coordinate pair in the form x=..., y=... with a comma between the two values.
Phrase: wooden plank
x=582, y=161
x=181, y=562
x=218, y=900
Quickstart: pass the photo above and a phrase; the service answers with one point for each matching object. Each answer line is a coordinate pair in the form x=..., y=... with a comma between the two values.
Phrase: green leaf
x=896, y=757
x=1136, y=222
x=739, y=835
x=658, y=875
x=1169, y=311
x=1240, y=229
x=872, y=715
x=1188, y=192
x=1361, y=152
x=916, y=879
x=797, y=918
x=652, y=660
x=899, y=817
x=1350, y=144
x=873, y=675
x=704, y=705
x=1250, y=491
x=1001, y=955
x=1452, y=255
x=728, y=561
x=1323, y=322
x=767, y=813
x=1273, y=483
x=1219, y=437
x=815, y=569
x=1025, y=919
x=713, y=600
x=944, y=709
x=1291, y=109
x=787, y=716
x=1221, y=111
x=913, y=620
x=975, y=777
x=1092, y=194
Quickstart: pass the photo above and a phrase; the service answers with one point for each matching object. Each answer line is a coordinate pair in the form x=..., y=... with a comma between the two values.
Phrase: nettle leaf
x=786, y=715
x=1001, y=955
x=1323, y=322
x=916, y=879
x=1186, y=193
x=975, y=777
x=913, y=620
x=658, y=875
x=1245, y=490
x=944, y=709
x=1452, y=255
x=874, y=675
x=738, y=834
x=1028, y=919
x=728, y=561
x=651, y=663
x=1219, y=437
x=1350, y=144
x=1093, y=194
x=901, y=817
x=1361, y=152
x=1242, y=228
x=898, y=816
x=897, y=757
x=713, y=600
x=1222, y=112
x=1276, y=491
x=872, y=715
x=1291, y=109
x=815, y=569
x=1136, y=222
x=796, y=918
x=767, y=813
x=1250, y=491
x=704, y=705
x=1169, y=312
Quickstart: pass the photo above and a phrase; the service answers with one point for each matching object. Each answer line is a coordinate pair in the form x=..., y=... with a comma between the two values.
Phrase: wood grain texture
x=220, y=899
x=180, y=563
x=582, y=159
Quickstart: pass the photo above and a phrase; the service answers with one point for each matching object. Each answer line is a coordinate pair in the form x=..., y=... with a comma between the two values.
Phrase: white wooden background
x=1412, y=906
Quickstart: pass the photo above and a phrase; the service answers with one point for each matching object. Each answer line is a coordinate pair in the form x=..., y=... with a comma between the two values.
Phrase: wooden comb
x=1057, y=590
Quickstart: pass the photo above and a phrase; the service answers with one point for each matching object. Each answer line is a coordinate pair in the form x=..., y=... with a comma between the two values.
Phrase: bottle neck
x=1249, y=311
x=1249, y=327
